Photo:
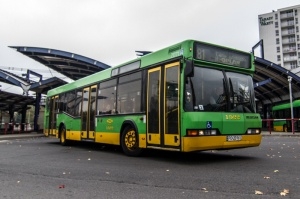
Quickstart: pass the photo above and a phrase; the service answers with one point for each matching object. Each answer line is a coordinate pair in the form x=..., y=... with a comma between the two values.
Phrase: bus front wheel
x=129, y=142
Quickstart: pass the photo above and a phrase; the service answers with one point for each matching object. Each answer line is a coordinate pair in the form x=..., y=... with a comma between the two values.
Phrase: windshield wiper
x=193, y=92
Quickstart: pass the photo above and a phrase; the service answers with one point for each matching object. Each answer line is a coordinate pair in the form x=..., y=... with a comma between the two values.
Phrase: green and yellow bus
x=191, y=96
x=282, y=116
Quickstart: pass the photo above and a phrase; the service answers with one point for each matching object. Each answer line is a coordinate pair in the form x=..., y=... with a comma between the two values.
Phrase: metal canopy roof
x=12, y=79
x=69, y=64
x=275, y=86
x=45, y=85
x=11, y=99
x=19, y=101
x=39, y=87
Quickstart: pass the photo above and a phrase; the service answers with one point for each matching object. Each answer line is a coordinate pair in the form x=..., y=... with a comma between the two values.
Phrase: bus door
x=88, y=110
x=53, y=115
x=162, y=106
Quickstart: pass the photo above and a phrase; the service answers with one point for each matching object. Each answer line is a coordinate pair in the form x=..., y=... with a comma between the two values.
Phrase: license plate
x=231, y=138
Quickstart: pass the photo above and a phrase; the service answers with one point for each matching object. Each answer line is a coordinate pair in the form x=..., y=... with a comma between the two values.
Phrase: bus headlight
x=201, y=132
x=253, y=131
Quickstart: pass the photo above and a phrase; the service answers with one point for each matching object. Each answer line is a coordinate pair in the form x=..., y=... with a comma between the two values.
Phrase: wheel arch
x=62, y=124
x=128, y=123
x=129, y=141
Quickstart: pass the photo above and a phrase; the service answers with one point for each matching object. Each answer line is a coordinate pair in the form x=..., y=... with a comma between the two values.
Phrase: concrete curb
x=21, y=136
x=267, y=133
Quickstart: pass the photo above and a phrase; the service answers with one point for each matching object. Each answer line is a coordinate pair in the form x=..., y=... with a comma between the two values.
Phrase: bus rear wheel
x=62, y=136
x=129, y=142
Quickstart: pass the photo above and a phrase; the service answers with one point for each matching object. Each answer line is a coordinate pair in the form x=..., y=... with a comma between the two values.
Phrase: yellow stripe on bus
x=103, y=137
x=218, y=142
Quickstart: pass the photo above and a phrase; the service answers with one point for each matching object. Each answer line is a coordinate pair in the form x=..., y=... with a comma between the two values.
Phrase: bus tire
x=62, y=136
x=129, y=142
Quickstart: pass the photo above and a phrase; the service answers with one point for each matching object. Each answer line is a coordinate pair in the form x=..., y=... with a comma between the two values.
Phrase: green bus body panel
x=185, y=49
x=280, y=123
x=105, y=124
x=113, y=124
x=71, y=123
x=296, y=103
x=226, y=123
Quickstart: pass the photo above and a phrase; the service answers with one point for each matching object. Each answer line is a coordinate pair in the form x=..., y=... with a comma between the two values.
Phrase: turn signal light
x=253, y=131
x=192, y=132
x=201, y=132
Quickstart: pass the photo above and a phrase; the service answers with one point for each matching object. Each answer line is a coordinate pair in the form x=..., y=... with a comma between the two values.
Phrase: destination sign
x=221, y=55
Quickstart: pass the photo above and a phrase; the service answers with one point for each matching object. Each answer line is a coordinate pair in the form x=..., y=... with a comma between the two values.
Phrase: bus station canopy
x=44, y=86
x=39, y=87
x=270, y=80
x=13, y=79
x=8, y=99
x=271, y=83
x=17, y=101
x=71, y=65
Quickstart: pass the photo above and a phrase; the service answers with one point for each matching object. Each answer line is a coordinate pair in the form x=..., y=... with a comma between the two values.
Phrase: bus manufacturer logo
x=109, y=121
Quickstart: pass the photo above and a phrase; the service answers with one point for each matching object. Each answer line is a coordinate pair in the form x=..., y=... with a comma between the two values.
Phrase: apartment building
x=279, y=31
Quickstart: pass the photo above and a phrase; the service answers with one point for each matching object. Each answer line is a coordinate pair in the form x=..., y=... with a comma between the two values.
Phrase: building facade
x=279, y=31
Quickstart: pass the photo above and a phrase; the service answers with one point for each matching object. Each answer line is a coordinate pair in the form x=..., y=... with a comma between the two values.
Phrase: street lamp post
x=291, y=102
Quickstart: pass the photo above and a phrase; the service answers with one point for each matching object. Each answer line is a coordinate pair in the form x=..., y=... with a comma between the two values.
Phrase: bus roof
x=296, y=103
x=173, y=51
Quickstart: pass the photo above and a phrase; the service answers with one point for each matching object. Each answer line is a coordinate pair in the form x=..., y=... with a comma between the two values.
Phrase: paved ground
x=35, y=134
x=20, y=135
x=37, y=168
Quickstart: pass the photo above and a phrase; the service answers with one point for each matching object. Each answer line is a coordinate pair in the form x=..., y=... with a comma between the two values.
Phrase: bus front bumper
x=190, y=144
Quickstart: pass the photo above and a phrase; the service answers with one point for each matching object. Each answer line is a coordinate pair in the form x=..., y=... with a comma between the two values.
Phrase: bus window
x=129, y=89
x=106, y=97
x=207, y=90
x=241, y=92
x=78, y=103
x=200, y=89
x=70, y=97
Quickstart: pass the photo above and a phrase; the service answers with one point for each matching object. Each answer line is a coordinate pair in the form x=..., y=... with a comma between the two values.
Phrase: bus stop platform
x=12, y=136
x=39, y=134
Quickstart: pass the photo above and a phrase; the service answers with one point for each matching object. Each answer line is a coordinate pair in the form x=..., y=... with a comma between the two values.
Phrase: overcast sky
x=111, y=30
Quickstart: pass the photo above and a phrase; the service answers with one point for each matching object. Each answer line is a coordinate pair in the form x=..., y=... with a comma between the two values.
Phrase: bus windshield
x=219, y=91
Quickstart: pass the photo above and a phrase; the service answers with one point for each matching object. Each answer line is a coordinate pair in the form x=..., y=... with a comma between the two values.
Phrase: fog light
x=213, y=132
x=253, y=131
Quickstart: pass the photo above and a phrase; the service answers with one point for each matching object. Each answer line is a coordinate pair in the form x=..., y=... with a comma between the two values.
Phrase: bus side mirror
x=189, y=69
